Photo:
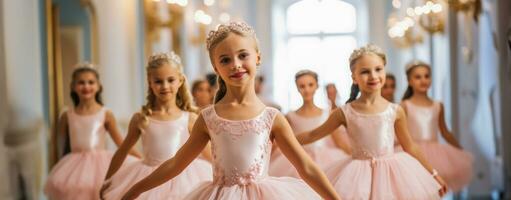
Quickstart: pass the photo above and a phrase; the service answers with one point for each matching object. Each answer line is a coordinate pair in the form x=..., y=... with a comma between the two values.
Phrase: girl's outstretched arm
x=445, y=131
x=199, y=138
x=307, y=169
x=335, y=119
x=113, y=130
x=341, y=140
x=130, y=140
x=206, y=153
x=121, y=153
x=411, y=148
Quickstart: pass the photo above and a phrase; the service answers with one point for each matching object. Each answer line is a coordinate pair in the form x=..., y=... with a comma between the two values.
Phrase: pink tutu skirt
x=396, y=176
x=268, y=188
x=197, y=172
x=453, y=165
x=322, y=156
x=78, y=175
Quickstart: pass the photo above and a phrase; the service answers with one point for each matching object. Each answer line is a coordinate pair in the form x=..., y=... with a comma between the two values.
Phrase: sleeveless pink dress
x=375, y=171
x=241, y=155
x=323, y=151
x=453, y=164
x=79, y=174
x=160, y=141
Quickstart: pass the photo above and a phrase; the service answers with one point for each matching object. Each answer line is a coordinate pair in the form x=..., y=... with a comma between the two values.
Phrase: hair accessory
x=228, y=27
x=172, y=56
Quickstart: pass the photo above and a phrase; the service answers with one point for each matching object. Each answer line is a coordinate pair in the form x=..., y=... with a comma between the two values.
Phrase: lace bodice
x=372, y=135
x=241, y=148
x=162, y=139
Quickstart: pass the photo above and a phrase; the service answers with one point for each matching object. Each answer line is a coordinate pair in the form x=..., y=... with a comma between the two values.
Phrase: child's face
x=165, y=82
x=201, y=94
x=420, y=79
x=235, y=59
x=307, y=86
x=369, y=73
x=389, y=87
x=331, y=92
x=86, y=85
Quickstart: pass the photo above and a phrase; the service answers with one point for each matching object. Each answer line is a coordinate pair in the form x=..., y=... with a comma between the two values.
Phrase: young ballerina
x=332, y=96
x=308, y=117
x=389, y=87
x=375, y=171
x=425, y=119
x=241, y=130
x=163, y=125
x=201, y=93
x=79, y=174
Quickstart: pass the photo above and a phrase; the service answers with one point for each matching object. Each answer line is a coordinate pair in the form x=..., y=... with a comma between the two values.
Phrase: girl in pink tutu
x=163, y=125
x=241, y=130
x=79, y=174
x=425, y=119
x=375, y=171
x=306, y=118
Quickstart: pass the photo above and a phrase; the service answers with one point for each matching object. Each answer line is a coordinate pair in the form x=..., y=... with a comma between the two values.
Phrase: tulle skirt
x=322, y=156
x=269, y=188
x=453, y=165
x=78, y=175
x=197, y=172
x=396, y=176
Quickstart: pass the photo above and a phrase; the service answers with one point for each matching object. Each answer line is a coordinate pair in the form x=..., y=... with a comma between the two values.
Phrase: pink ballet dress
x=375, y=171
x=453, y=165
x=323, y=151
x=160, y=141
x=79, y=174
x=241, y=154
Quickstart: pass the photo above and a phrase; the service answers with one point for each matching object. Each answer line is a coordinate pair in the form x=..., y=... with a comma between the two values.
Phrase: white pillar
x=119, y=57
x=22, y=78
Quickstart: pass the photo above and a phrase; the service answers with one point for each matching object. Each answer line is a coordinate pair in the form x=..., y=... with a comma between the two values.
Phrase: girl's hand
x=104, y=187
x=443, y=189
x=129, y=195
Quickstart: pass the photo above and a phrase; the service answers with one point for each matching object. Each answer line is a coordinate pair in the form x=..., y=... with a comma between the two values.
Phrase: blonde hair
x=366, y=50
x=218, y=35
x=183, y=98
x=369, y=49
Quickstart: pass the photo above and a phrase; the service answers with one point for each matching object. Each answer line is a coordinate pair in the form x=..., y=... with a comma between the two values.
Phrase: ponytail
x=408, y=93
x=354, y=93
x=222, y=89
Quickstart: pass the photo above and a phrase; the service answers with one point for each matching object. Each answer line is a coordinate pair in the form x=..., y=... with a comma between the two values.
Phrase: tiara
x=172, y=56
x=367, y=49
x=415, y=63
x=85, y=65
x=223, y=29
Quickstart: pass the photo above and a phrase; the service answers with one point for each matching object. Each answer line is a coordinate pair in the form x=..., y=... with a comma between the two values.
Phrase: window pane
x=335, y=54
x=337, y=16
x=327, y=57
x=303, y=17
x=313, y=16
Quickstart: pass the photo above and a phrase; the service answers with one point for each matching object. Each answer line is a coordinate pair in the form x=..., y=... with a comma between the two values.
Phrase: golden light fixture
x=471, y=7
x=432, y=19
x=154, y=22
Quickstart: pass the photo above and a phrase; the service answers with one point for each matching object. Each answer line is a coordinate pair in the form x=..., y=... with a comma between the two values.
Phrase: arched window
x=318, y=35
